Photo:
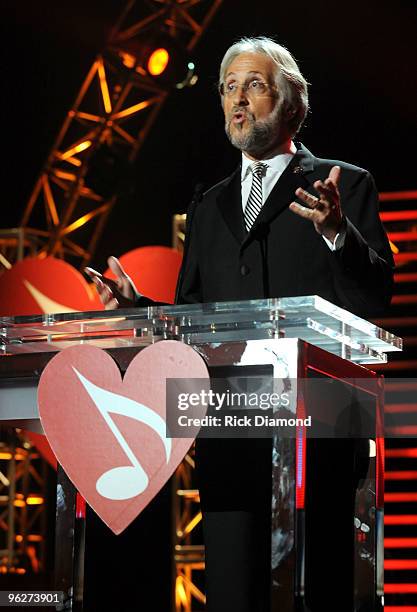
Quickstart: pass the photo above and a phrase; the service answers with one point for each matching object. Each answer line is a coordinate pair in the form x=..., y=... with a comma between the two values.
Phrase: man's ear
x=290, y=112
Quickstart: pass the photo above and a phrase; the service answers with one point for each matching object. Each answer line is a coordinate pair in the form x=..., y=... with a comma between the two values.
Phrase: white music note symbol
x=125, y=481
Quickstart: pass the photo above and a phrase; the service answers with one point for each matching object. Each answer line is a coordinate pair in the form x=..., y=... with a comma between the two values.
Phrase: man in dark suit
x=334, y=245
x=284, y=254
x=284, y=224
x=330, y=242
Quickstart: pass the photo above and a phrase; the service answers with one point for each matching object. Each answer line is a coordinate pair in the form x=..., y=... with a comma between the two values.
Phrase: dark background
x=359, y=56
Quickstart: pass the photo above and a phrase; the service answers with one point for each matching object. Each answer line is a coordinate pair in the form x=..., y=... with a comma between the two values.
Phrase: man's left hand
x=324, y=211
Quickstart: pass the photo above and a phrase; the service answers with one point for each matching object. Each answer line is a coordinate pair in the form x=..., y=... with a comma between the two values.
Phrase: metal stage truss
x=79, y=185
x=189, y=560
x=188, y=547
x=105, y=128
x=23, y=520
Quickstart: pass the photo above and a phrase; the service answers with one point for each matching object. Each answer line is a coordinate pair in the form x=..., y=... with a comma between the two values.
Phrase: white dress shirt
x=275, y=166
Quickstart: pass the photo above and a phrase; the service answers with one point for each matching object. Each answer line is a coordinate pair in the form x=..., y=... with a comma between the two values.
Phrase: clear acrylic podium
x=296, y=338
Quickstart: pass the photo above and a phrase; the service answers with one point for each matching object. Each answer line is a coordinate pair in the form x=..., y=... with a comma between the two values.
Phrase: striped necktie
x=255, y=199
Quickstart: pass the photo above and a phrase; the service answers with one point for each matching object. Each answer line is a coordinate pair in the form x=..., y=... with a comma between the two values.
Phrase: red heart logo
x=109, y=434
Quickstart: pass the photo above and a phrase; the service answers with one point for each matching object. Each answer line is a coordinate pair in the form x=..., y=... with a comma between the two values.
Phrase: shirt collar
x=274, y=164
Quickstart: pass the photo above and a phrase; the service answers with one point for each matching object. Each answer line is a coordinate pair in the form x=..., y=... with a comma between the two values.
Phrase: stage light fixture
x=160, y=57
x=158, y=61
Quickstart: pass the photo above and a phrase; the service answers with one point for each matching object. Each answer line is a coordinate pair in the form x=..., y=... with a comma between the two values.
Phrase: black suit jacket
x=283, y=255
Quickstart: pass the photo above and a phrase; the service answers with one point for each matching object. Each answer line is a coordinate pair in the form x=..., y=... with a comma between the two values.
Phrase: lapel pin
x=297, y=170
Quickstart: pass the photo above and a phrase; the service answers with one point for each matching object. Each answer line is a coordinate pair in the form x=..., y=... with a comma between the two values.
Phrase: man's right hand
x=119, y=293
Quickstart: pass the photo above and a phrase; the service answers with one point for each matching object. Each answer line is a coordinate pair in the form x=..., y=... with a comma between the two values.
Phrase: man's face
x=252, y=107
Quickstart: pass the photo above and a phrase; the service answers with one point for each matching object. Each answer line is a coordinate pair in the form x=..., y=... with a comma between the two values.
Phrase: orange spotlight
x=159, y=56
x=158, y=61
x=34, y=500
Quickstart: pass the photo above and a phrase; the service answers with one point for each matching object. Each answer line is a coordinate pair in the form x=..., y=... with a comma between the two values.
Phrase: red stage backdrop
x=50, y=285
x=38, y=286
x=154, y=270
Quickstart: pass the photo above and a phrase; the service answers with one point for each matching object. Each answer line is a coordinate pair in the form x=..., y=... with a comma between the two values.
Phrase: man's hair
x=291, y=84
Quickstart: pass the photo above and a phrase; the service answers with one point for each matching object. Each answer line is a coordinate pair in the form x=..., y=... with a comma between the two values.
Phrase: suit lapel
x=229, y=202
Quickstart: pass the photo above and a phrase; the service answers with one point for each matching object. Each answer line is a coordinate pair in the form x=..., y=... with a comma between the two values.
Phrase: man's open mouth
x=239, y=117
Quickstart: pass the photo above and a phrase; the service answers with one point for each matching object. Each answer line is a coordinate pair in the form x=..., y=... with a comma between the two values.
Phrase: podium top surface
x=309, y=318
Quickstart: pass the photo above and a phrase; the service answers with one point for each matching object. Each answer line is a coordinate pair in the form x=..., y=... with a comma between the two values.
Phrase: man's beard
x=259, y=136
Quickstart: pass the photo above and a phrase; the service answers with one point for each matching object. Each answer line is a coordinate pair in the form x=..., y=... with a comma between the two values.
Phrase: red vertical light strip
x=80, y=507
x=380, y=444
x=300, y=464
x=380, y=472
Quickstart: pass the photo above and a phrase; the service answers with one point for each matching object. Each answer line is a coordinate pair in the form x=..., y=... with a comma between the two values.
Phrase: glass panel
x=310, y=318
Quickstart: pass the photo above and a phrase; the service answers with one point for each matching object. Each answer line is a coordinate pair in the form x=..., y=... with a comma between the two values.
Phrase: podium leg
x=69, y=545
